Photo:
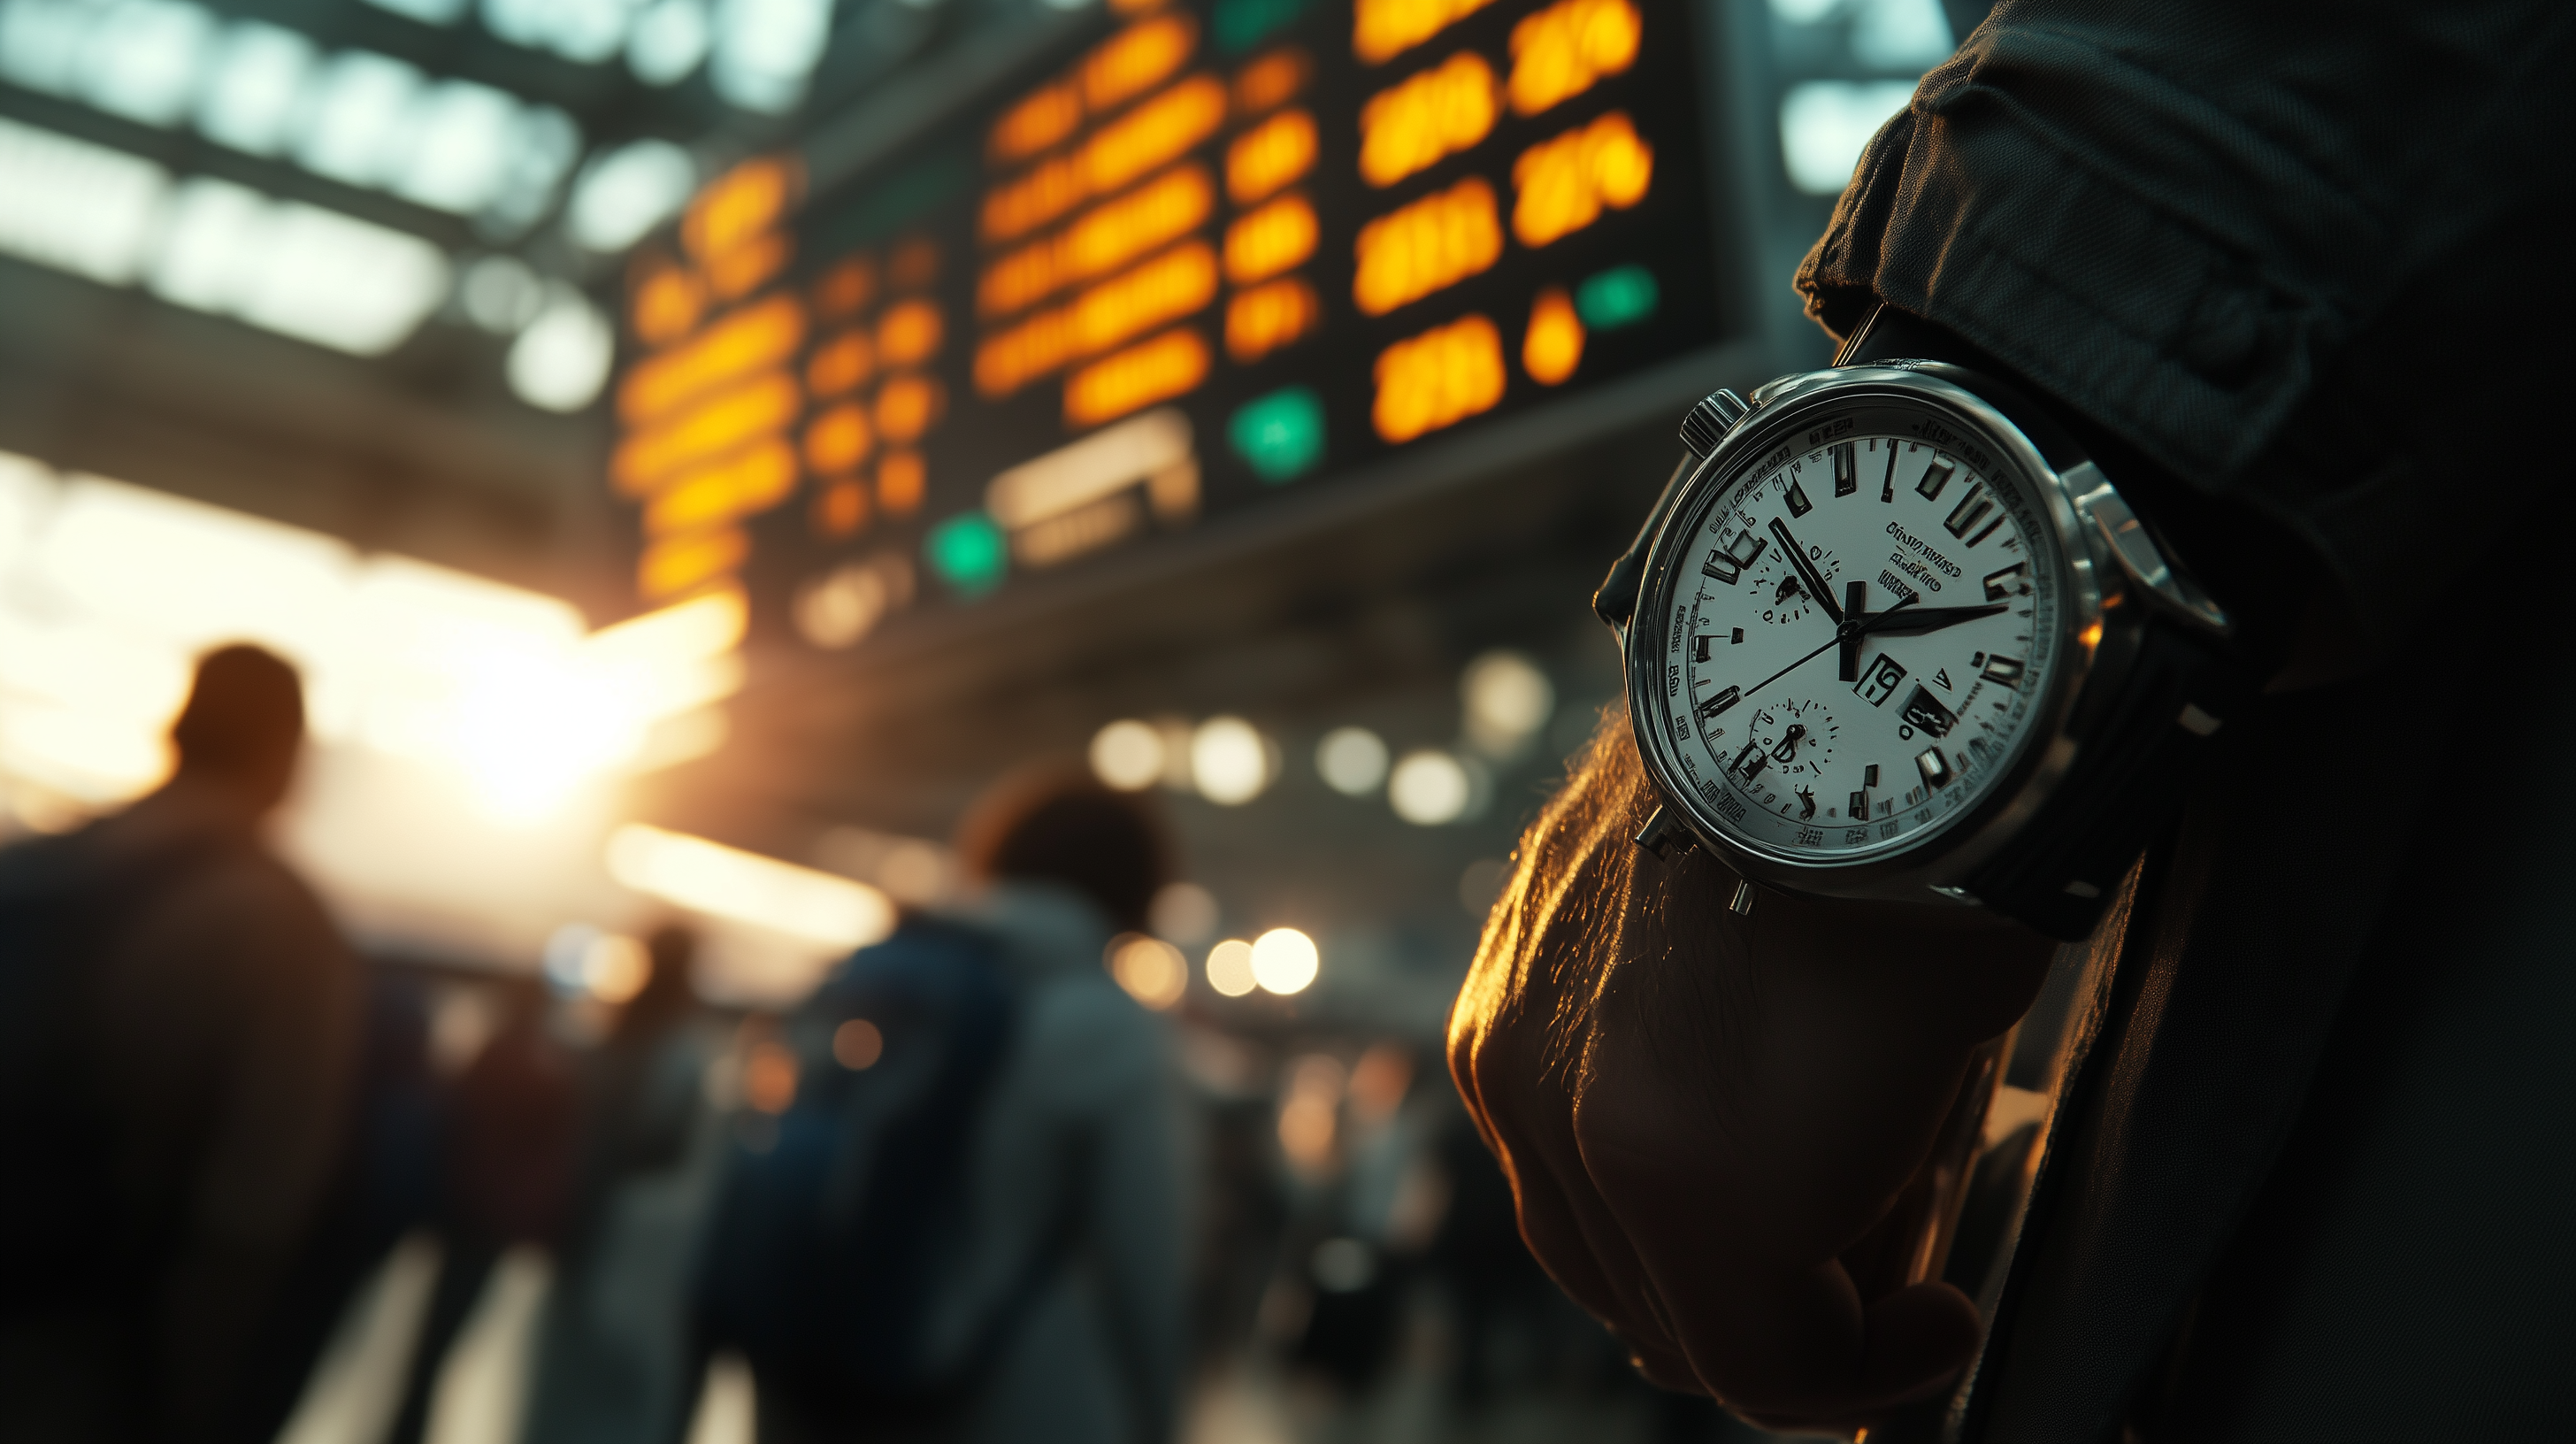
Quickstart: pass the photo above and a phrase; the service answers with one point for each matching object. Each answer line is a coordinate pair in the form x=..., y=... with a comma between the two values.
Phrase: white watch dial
x=1860, y=637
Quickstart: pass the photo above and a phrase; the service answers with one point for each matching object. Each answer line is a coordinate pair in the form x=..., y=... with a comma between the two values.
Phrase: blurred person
x=958, y=1210
x=179, y=1025
x=2303, y=1183
x=506, y=1161
x=615, y=1360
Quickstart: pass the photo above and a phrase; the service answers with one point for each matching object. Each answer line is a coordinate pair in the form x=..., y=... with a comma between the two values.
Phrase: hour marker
x=1887, y=483
x=2004, y=671
x=2012, y=581
x=1798, y=503
x=1869, y=776
x=1738, y=638
x=1943, y=677
x=1846, y=470
x=1721, y=702
x=1750, y=761
x=1936, y=476
x=1728, y=562
x=1972, y=509
x=1699, y=647
x=1936, y=768
x=1989, y=531
x=1860, y=804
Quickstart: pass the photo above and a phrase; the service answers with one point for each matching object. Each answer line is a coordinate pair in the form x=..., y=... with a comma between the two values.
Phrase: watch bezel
x=1933, y=870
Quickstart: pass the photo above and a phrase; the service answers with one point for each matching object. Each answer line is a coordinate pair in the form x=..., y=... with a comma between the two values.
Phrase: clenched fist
x=1705, y=1116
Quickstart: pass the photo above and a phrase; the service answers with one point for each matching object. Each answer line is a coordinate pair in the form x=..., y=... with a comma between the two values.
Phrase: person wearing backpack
x=970, y=1222
x=179, y=1028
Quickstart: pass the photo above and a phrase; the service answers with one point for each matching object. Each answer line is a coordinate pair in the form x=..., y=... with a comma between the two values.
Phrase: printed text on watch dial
x=1857, y=640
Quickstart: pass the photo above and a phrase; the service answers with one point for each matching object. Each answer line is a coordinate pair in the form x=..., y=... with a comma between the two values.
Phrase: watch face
x=1858, y=631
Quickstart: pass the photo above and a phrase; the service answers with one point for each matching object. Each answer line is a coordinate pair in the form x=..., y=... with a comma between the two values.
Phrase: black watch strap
x=2150, y=722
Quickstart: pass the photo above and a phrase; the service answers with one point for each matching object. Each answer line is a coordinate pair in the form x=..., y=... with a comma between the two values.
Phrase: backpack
x=839, y=1228
x=60, y=910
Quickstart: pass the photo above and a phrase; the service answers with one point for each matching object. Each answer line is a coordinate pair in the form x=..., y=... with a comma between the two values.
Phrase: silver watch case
x=2113, y=570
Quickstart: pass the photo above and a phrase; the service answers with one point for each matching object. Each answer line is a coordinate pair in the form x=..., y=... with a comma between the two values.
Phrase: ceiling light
x=342, y=282
x=668, y=41
x=543, y=145
x=353, y=124
x=142, y=58
x=41, y=42
x=1825, y=124
x=212, y=240
x=253, y=86
x=627, y=192
x=427, y=12
x=458, y=152
x=75, y=206
x=764, y=49
x=1352, y=760
x=561, y=361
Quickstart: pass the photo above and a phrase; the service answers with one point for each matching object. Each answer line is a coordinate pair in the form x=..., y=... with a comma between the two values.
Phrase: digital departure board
x=1223, y=254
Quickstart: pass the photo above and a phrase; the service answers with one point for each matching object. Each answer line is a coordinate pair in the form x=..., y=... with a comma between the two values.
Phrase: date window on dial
x=1880, y=682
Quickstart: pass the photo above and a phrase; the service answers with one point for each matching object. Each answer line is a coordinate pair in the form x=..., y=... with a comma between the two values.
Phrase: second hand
x=1820, y=651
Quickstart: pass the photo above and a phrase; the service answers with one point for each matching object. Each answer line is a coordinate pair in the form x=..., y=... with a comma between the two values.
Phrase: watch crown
x=1711, y=419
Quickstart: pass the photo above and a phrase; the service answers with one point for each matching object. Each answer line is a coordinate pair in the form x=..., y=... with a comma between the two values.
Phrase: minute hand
x=1913, y=621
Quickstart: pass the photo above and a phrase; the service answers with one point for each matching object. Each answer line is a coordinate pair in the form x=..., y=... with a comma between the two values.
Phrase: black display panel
x=1205, y=261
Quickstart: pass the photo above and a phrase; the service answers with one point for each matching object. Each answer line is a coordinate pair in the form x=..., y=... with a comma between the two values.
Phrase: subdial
x=1787, y=749
x=1781, y=593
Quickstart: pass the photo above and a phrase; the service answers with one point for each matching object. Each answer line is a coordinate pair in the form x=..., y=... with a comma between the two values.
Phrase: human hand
x=1705, y=1116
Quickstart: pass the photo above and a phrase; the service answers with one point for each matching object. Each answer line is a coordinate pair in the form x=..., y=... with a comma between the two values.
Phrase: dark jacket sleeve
x=2217, y=230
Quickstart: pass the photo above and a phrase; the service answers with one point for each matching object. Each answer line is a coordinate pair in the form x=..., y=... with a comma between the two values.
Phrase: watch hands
x=1855, y=603
x=1931, y=619
x=1827, y=647
x=1815, y=580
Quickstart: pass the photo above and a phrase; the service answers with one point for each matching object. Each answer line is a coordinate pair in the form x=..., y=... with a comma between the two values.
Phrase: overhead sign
x=1225, y=254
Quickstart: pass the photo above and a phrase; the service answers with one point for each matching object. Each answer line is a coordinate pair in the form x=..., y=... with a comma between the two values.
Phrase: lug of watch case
x=1660, y=833
x=2135, y=549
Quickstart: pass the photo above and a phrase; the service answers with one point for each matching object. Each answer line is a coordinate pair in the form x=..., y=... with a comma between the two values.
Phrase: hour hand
x=1914, y=621
x=1815, y=580
x=1856, y=607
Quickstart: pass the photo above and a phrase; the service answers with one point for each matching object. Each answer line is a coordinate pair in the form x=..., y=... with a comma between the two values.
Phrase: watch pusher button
x=1709, y=421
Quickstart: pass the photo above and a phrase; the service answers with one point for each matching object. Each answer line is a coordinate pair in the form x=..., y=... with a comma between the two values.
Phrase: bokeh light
x=1229, y=968
x=1184, y=913
x=1229, y=760
x=1507, y=700
x=1352, y=760
x=1429, y=788
x=1152, y=971
x=1284, y=961
x=1127, y=755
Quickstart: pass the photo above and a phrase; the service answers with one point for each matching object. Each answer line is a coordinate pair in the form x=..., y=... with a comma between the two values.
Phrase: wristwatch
x=1891, y=634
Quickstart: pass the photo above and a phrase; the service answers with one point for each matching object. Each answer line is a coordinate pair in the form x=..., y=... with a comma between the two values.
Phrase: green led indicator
x=968, y=553
x=1243, y=24
x=1281, y=434
x=1616, y=298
